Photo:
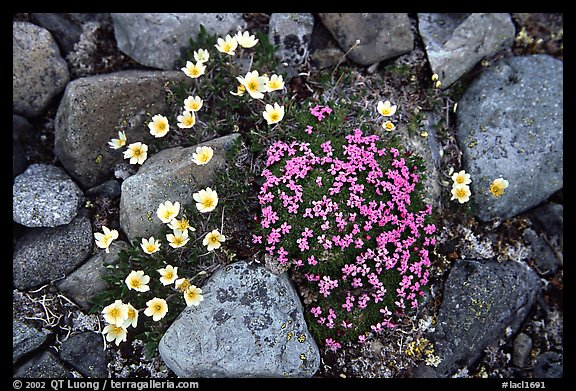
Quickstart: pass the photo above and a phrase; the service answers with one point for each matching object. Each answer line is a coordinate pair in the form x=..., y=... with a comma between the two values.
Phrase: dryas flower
x=254, y=84
x=138, y=281
x=151, y=245
x=181, y=225
x=115, y=333
x=201, y=55
x=137, y=153
x=245, y=39
x=498, y=186
x=273, y=114
x=115, y=313
x=186, y=120
x=178, y=238
x=461, y=177
x=206, y=200
x=132, y=319
x=193, y=296
x=168, y=211
x=182, y=284
x=202, y=155
x=194, y=70
x=227, y=45
x=239, y=91
x=276, y=82
x=213, y=240
x=388, y=125
x=103, y=240
x=386, y=109
x=168, y=274
x=193, y=103
x=156, y=308
x=117, y=143
x=461, y=193
x=159, y=126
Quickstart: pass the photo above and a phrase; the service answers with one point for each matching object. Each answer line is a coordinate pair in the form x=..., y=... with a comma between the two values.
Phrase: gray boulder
x=510, y=124
x=44, y=366
x=25, y=339
x=93, y=110
x=481, y=300
x=291, y=34
x=169, y=175
x=85, y=352
x=549, y=365
x=455, y=43
x=45, y=254
x=382, y=35
x=86, y=282
x=250, y=324
x=45, y=196
x=156, y=40
x=39, y=72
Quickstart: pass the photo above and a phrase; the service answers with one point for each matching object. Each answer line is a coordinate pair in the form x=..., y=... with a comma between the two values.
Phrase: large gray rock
x=382, y=35
x=39, y=72
x=86, y=282
x=45, y=196
x=156, y=40
x=291, y=34
x=169, y=175
x=455, y=43
x=25, y=339
x=481, y=300
x=510, y=124
x=250, y=324
x=84, y=351
x=44, y=366
x=93, y=110
x=45, y=254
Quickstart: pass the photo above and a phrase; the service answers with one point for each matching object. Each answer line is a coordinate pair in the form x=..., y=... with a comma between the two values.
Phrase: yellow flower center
x=460, y=179
x=214, y=239
x=131, y=313
x=188, y=121
x=460, y=193
x=496, y=189
x=136, y=152
x=274, y=116
x=161, y=126
x=194, y=106
x=135, y=283
x=158, y=307
x=151, y=248
x=184, y=286
x=386, y=111
x=167, y=214
x=252, y=86
x=117, y=330
x=208, y=202
x=115, y=312
x=169, y=275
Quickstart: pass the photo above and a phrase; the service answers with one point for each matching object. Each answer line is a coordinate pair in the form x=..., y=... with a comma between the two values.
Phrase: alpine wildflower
x=240, y=90
x=151, y=245
x=388, y=125
x=181, y=225
x=115, y=333
x=254, y=84
x=156, y=308
x=138, y=281
x=206, y=200
x=201, y=55
x=276, y=82
x=227, y=45
x=137, y=153
x=461, y=177
x=159, y=126
x=498, y=186
x=117, y=143
x=202, y=155
x=168, y=274
x=194, y=70
x=115, y=313
x=178, y=238
x=182, y=284
x=132, y=319
x=386, y=109
x=461, y=193
x=273, y=114
x=186, y=120
x=245, y=39
x=168, y=211
x=193, y=103
x=213, y=240
x=103, y=240
x=193, y=296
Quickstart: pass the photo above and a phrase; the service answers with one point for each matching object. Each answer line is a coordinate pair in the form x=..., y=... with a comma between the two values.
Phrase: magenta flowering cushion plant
x=343, y=208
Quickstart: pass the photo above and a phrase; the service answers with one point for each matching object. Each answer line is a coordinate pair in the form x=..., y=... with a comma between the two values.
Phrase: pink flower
x=332, y=345
x=308, y=129
x=256, y=239
x=316, y=311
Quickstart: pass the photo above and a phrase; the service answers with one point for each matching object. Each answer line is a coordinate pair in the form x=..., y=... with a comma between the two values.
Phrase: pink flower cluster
x=342, y=214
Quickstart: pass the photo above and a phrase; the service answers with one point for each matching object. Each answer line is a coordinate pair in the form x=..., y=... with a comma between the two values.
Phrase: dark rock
x=250, y=324
x=39, y=73
x=549, y=365
x=20, y=129
x=506, y=129
x=25, y=339
x=45, y=254
x=291, y=34
x=548, y=219
x=381, y=35
x=481, y=300
x=545, y=257
x=111, y=189
x=522, y=348
x=44, y=366
x=85, y=353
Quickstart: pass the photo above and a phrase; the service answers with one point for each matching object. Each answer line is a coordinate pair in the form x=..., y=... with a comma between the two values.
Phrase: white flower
x=254, y=84
x=273, y=114
x=213, y=240
x=201, y=55
x=159, y=126
x=168, y=211
x=186, y=120
x=245, y=39
x=119, y=142
x=227, y=45
x=206, y=200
